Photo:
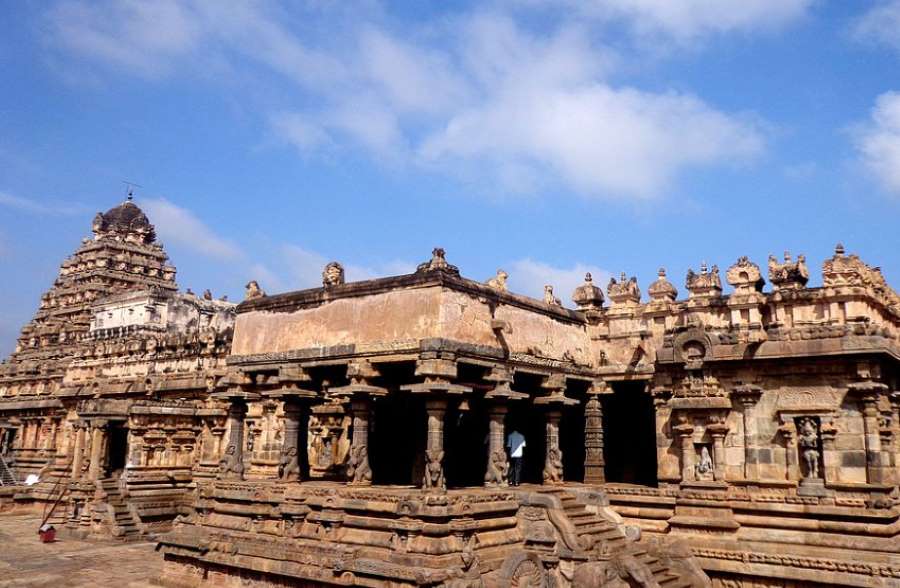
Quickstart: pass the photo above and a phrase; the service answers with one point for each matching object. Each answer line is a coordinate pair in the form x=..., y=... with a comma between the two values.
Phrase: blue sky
x=546, y=138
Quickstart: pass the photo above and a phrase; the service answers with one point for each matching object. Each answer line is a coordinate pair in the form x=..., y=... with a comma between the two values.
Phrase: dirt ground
x=25, y=561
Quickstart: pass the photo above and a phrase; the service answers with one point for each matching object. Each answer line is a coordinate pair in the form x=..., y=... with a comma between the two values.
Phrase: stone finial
x=438, y=262
x=333, y=275
x=252, y=291
x=662, y=289
x=549, y=298
x=498, y=282
x=706, y=283
x=207, y=294
x=790, y=275
x=745, y=276
x=850, y=270
x=588, y=296
x=839, y=249
x=625, y=291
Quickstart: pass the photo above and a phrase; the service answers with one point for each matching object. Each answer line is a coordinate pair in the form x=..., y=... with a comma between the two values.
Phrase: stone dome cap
x=587, y=295
x=662, y=288
x=125, y=219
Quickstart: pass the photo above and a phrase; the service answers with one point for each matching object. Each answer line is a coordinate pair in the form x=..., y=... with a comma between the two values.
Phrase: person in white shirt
x=515, y=443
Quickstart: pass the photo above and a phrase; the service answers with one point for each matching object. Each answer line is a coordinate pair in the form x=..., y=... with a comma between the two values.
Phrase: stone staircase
x=593, y=527
x=6, y=475
x=121, y=522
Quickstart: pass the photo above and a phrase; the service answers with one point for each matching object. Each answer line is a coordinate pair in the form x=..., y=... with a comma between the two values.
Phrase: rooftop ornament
x=790, y=275
x=438, y=262
x=624, y=292
x=745, y=276
x=706, y=283
x=588, y=296
x=498, y=282
x=662, y=289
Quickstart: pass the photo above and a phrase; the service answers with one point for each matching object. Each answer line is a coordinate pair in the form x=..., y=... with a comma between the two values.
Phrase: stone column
x=497, y=464
x=98, y=441
x=434, y=451
x=868, y=393
x=78, y=451
x=289, y=467
x=593, y=442
x=553, y=466
x=748, y=396
x=684, y=430
x=358, y=470
x=831, y=463
x=717, y=430
x=792, y=466
x=232, y=464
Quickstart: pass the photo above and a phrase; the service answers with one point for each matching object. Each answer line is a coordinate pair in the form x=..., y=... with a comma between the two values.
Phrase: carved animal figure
x=498, y=282
x=358, y=466
x=549, y=298
x=253, y=291
x=498, y=469
x=230, y=466
x=553, y=469
x=434, y=470
x=333, y=274
x=289, y=467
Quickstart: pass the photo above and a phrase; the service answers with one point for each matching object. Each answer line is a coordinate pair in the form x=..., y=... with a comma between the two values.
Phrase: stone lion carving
x=358, y=469
x=498, y=282
x=498, y=469
x=252, y=291
x=289, y=466
x=623, y=571
x=434, y=470
x=553, y=468
x=333, y=274
x=231, y=466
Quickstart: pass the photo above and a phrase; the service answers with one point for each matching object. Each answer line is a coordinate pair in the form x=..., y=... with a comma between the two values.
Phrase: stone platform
x=264, y=533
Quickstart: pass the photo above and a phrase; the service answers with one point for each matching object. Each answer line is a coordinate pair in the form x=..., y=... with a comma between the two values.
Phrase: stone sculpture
x=498, y=469
x=553, y=468
x=434, y=470
x=808, y=441
x=333, y=274
x=358, y=469
x=252, y=291
x=498, y=282
x=231, y=466
x=289, y=465
x=549, y=298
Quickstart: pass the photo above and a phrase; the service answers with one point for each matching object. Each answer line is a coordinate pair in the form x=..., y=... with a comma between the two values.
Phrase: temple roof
x=124, y=219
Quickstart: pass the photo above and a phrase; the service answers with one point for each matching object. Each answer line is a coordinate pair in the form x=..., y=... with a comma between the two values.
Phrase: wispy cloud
x=47, y=207
x=477, y=94
x=879, y=25
x=179, y=225
x=527, y=276
x=878, y=142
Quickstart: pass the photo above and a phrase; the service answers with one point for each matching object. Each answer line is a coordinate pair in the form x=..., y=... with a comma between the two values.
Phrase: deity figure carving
x=289, y=466
x=498, y=469
x=230, y=466
x=333, y=275
x=438, y=261
x=790, y=274
x=252, y=291
x=498, y=282
x=434, y=470
x=704, y=467
x=549, y=298
x=553, y=468
x=808, y=442
x=358, y=469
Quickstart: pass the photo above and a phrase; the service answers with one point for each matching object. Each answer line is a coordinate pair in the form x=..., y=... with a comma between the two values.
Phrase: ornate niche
x=808, y=435
x=329, y=444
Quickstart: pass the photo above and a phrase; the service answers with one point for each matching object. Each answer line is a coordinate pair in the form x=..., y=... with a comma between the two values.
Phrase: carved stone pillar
x=831, y=462
x=78, y=449
x=748, y=396
x=497, y=464
x=436, y=408
x=289, y=468
x=791, y=458
x=593, y=442
x=359, y=471
x=232, y=463
x=553, y=465
x=717, y=430
x=98, y=443
x=868, y=393
x=684, y=431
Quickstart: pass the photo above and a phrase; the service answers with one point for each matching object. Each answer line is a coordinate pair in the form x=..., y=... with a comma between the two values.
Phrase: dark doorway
x=629, y=432
x=118, y=448
x=571, y=442
x=397, y=440
x=530, y=421
x=465, y=443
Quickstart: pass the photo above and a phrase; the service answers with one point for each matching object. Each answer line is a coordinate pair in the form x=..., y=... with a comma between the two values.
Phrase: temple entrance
x=397, y=440
x=571, y=442
x=465, y=443
x=530, y=422
x=629, y=431
x=118, y=448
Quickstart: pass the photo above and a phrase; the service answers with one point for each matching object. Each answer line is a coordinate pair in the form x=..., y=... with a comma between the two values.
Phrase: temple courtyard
x=25, y=561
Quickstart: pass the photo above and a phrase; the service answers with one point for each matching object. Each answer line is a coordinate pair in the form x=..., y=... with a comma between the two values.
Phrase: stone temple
x=361, y=433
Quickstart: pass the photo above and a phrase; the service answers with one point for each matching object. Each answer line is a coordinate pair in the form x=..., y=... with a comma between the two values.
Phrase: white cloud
x=175, y=224
x=878, y=142
x=688, y=20
x=474, y=95
x=880, y=25
x=529, y=277
x=40, y=208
